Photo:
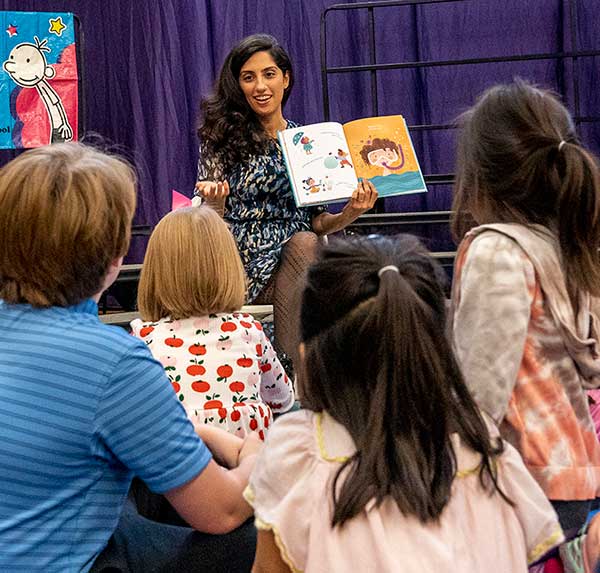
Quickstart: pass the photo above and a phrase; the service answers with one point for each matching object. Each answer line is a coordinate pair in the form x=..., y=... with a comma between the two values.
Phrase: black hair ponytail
x=380, y=365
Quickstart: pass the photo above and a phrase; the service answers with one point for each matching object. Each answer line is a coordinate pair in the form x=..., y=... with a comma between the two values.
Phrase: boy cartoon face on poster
x=38, y=87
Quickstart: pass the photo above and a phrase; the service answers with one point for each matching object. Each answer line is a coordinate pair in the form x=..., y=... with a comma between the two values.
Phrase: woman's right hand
x=216, y=191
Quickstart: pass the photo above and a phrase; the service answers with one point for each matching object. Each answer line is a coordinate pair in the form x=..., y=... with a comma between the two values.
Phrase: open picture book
x=325, y=160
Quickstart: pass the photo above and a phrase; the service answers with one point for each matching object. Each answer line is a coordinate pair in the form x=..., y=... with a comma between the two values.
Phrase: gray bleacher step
x=262, y=312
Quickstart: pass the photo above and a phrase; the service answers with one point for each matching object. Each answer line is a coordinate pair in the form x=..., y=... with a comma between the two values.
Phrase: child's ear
x=49, y=72
x=112, y=272
x=286, y=80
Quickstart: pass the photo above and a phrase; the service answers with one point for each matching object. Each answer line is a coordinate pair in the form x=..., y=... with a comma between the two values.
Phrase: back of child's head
x=376, y=358
x=519, y=161
x=65, y=215
x=192, y=267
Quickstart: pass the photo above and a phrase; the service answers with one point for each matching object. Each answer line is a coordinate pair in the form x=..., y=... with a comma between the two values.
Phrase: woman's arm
x=211, y=185
x=362, y=200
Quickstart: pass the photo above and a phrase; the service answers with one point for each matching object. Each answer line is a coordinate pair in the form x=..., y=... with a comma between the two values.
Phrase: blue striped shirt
x=83, y=407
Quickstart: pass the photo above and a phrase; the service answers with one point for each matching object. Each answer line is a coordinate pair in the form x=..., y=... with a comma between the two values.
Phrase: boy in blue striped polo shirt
x=83, y=406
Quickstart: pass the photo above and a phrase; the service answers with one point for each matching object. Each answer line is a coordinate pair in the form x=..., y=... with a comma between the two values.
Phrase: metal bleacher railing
x=574, y=55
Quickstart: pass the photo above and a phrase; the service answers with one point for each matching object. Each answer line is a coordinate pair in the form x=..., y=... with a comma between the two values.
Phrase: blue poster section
x=31, y=49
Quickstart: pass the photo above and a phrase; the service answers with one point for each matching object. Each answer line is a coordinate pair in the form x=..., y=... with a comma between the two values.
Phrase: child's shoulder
x=315, y=434
x=489, y=240
x=490, y=251
x=298, y=426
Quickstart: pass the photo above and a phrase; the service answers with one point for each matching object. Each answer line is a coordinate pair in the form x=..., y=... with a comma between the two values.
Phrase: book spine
x=288, y=167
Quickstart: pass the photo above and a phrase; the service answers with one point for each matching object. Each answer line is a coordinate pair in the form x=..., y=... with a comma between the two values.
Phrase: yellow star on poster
x=56, y=26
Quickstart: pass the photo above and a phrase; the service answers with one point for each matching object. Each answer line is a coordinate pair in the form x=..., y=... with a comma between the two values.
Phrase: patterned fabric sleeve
x=208, y=166
x=275, y=386
x=491, y=319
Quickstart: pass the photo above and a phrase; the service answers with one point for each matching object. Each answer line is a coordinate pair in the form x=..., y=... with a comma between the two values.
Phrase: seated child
x=84, y=407
x=526, y=289
x=220, y=362
x=391, y=467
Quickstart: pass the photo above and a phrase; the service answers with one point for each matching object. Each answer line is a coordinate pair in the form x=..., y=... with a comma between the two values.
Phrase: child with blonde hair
x=220, y=362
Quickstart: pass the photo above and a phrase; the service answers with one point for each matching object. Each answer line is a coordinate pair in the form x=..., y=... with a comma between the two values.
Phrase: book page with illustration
x=318, y=163
x=382, y=152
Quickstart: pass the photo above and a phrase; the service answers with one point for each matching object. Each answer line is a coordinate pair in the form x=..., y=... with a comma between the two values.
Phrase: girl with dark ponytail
x=526, y=282
x=390, y=467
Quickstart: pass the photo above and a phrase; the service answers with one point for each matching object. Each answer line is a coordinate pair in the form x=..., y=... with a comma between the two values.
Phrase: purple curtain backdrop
x=147, y=63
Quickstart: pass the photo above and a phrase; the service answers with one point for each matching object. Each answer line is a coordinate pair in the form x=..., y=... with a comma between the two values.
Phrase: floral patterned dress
x=223, y=369
x=260, y=210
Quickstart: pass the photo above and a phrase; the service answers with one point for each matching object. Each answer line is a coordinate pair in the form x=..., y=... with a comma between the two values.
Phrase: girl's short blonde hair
x=192, y=267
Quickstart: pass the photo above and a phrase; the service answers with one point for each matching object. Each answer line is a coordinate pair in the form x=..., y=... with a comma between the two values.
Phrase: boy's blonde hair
x=65, y=215
x=192, y=267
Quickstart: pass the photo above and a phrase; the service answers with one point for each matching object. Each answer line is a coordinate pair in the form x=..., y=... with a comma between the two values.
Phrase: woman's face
x=263, y=84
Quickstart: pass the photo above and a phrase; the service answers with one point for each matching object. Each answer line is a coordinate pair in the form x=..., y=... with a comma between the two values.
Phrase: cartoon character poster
x=39, y=83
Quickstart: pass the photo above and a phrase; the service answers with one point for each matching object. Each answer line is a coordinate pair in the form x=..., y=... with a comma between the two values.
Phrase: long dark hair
x=378, y=361
x=229, y=129
x=513, y=168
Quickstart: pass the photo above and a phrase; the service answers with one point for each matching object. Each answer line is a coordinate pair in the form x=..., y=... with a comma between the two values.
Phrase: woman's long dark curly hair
x=229, y=130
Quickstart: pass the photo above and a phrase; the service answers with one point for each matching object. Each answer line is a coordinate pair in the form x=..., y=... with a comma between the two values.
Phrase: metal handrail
x=373, y=67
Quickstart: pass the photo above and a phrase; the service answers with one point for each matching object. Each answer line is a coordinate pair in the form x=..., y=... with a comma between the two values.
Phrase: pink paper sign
x=179, y=200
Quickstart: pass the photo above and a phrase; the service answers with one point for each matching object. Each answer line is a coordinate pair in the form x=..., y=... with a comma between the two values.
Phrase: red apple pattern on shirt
x=222, y=368
x=174, y=342
x=145, y=331
x=237, y=387
x=200, y=386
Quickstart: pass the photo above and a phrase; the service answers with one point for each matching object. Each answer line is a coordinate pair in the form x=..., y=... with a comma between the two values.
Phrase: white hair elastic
x=387, y=268
x=560, y=145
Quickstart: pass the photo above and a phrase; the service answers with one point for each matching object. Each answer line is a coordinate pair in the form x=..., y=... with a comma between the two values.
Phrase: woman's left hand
x=362, y=200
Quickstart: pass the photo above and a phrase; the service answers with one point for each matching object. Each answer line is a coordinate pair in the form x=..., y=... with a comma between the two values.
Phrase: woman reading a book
x=241, y=174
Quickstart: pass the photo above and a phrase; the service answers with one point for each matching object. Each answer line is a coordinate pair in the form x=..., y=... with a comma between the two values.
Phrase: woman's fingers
x=360, y=192
x=222, y=190
x=371, y=194
x=364, y=196
x=213, y=189
x=205, y=188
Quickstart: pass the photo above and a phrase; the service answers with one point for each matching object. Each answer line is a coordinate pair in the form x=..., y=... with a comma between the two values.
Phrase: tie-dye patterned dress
x=260, y=210
x=516, y=360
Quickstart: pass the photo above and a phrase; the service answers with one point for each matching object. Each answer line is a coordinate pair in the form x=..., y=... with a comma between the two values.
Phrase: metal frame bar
x=466, y=61
x=373, y=67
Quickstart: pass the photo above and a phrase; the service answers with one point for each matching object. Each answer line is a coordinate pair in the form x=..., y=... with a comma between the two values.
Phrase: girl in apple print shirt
x=220, y=362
